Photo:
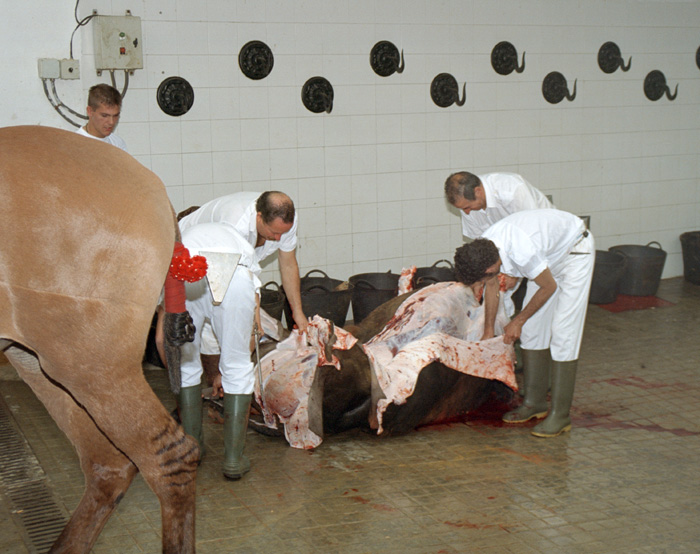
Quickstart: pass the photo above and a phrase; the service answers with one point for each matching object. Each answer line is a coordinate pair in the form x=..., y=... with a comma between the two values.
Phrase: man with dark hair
x=555, y=250
x=488, y=198
x=268, y=222
x=103, y=111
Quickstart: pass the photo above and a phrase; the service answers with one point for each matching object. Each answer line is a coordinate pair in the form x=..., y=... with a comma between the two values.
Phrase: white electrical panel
x=49, y=68
x=70, y=69
x=117, y=42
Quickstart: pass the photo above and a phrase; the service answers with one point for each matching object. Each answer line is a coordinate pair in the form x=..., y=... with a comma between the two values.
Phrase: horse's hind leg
x=125, y=408
x=108, y=473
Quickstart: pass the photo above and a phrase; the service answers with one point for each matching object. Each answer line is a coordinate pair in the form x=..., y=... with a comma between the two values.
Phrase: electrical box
x=117, y=42
x=70, y=69
x=49, y=68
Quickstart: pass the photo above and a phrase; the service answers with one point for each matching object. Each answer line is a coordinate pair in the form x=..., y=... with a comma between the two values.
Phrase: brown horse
x=86, y=237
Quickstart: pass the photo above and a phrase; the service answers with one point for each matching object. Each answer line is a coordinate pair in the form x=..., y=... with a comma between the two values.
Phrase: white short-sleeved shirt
x=219, y=237
x=238, y=210
x=506, y=193
x=112, y=139
x=530, y=241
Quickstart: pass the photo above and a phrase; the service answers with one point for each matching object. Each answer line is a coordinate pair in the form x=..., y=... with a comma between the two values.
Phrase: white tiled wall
x=367, y=178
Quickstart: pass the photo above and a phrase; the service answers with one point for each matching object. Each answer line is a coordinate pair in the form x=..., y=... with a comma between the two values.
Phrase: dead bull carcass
x=87, y=238
x=416, y=359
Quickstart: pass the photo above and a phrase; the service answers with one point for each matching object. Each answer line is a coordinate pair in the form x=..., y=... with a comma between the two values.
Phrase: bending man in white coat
x=268, y=222
x=232, y=323
x=485, y=199
x=555, y=250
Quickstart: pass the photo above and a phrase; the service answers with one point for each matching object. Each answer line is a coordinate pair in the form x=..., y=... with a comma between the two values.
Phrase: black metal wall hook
x=175, y=96
x=697, y=57
x=317, y=95
x=256, y=60
x=444, y=91
x=555, y=88
x=385, y=59
x=504, y=59
x=610, y=58
x=655, y=86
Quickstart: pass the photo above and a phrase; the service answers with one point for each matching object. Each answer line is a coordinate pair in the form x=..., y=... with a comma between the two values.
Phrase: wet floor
x=626, y=479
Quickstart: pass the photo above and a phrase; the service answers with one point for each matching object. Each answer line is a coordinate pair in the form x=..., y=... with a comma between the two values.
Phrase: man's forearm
x=547, y=287
x=289, y=270
x=490, y=307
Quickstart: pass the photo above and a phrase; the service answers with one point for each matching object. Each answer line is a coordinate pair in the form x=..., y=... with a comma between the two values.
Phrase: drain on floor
x=23, y=481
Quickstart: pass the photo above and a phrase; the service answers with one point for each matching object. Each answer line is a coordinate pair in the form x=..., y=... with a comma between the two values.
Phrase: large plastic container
x=371, y=290
x=272, y=299
x=690, y=246
x=434, y=274
x=607, y=274
x=645, y=264
x=324, y=296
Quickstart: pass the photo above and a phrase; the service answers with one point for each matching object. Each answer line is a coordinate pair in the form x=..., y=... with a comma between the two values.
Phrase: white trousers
x=232, y=324
x=209, y=344
x=558, y=325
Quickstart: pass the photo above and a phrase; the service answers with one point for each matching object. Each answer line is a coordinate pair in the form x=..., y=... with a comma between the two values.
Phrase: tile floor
x=625, y=480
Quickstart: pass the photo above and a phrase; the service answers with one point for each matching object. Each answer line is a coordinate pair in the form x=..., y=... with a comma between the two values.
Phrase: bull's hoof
x=257, y=424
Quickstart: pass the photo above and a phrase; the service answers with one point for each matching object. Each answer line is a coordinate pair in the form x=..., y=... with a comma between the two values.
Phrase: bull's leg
x=127, y=411
x=108, y=473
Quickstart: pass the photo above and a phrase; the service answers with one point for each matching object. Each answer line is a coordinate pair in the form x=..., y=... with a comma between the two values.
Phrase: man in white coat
x=268, y=222
x=486, y=199
x=555, y=250
x=232, y=323
x=103, y=110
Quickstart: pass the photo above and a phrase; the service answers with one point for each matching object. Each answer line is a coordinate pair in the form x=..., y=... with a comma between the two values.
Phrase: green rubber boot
x=190, y=406
x=236, y=408
x=536, y=382
x=558, y=420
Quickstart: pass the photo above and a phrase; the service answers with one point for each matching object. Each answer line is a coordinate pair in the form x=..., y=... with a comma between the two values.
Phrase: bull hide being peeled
x=415, y=359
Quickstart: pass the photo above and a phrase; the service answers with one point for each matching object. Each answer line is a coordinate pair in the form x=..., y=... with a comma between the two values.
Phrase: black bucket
x=430, y=275
x=644, y=267
x=371, y=290
x=322, y=296
x=272, y=299
x=690, y=245
x=607, y=274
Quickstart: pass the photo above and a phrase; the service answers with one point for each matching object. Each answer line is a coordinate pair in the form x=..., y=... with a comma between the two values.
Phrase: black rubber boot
x=190, y=408
x=536, y=383
x=558, y=420
x=236, y=410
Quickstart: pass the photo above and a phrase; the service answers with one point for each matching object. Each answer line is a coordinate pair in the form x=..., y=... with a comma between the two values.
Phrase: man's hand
x=547, y=287
x=217, y=389
x=511, y=332
x=301, y=322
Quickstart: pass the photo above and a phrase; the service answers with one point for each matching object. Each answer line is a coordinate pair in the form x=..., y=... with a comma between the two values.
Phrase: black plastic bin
x=434, y=274
x=645, y=264
x=323, y=296
x=607, y=274
x=371, y=290
x=690, y=246
x=272, y=299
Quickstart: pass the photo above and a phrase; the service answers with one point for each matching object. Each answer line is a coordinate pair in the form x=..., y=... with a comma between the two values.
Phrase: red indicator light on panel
x=122, y=50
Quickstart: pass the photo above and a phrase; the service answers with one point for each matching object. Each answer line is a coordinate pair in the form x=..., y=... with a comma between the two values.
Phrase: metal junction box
x=117, y=42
